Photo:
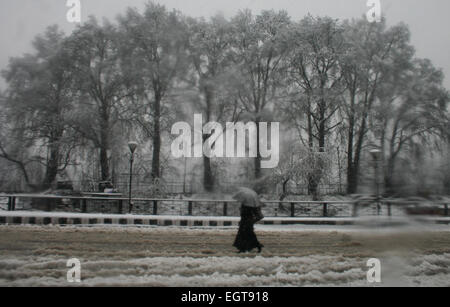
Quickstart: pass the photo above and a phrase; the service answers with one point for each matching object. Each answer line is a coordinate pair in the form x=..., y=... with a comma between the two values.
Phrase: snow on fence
x=103, y=203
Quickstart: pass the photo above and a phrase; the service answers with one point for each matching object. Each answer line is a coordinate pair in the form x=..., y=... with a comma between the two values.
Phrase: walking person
x=246, y=239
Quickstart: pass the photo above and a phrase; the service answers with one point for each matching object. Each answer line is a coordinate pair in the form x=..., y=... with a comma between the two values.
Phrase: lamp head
x=132, y=146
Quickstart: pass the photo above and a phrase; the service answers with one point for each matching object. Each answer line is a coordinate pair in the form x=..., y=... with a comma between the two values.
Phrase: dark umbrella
x=248, y=198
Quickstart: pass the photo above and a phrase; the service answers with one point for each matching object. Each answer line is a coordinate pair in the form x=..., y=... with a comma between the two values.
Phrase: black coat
x=246, y=239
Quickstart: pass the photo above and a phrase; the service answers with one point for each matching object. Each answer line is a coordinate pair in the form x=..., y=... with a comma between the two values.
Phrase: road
x=37, y=256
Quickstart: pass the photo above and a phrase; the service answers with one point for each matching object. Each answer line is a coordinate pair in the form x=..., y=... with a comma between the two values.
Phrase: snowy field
x=294, y=256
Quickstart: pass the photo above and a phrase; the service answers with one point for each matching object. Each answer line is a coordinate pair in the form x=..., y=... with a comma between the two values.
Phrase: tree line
x=339, y=87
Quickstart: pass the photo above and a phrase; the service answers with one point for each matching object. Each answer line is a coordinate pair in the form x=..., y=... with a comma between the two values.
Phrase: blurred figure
x=246, y=239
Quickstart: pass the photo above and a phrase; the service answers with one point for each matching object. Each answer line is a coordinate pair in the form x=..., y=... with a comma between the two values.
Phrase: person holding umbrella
x=246, y=239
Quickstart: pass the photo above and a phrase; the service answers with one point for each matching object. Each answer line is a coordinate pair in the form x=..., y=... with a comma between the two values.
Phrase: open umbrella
x=248, y=198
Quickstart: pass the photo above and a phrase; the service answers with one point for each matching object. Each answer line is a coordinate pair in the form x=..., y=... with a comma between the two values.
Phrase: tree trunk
x=313, y=181
x=208, y=176
x=389, y=176
x=104, y=144
x=285, y=192
x=355, y=166
x=352, y=181
x=313, y=187
x=156, y=167
x=312, y=184
x=351, y=176
x=104, y=163
x=446, y=182
x=322, y=127
x=52, y=166
x=54, y=158
x=258, y=156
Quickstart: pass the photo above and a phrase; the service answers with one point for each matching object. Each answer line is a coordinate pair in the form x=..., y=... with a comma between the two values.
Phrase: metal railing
x=272, y=208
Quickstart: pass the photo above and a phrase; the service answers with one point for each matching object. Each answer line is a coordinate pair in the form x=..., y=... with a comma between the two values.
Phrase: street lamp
x=376, y=157
x=132, y=146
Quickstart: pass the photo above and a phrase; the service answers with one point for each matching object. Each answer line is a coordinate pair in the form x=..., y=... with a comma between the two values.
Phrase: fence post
x=325, y=209
x=84, y=205
x=48, y=204
x=446, y=209
x=389, y=209
x=9, y=203
x=13, y=204
x=120, y=206
x=292, y=210
x=155, y=207
x=190, y=208
x=225, y=209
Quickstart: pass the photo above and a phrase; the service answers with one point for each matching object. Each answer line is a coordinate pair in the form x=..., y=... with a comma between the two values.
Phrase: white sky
x=429, y=21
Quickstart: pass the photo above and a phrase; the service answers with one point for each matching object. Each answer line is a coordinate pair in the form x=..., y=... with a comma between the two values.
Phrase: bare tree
x=157, y=44
x=374, y=53
x=212, y=73
x=259, y=48
x=94, y=51
x=39, y=107
x=413, y=111
x=317, y=46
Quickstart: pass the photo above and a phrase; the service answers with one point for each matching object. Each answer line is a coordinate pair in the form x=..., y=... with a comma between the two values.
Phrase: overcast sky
x=429, y=20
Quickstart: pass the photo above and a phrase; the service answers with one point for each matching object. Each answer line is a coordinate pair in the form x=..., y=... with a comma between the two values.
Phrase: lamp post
x=376, y=157
x=132, y=146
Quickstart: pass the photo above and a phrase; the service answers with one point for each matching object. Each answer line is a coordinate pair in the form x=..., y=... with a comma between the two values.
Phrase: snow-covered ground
x=294, y=256
x=314, y=270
